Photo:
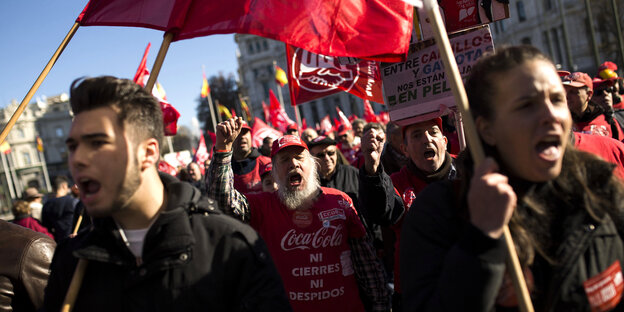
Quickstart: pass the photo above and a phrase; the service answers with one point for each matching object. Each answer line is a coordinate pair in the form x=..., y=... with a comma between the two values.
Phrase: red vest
x=310, y=249
x=251, y=182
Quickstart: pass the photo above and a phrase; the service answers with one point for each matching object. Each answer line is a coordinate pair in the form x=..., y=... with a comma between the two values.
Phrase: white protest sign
x=417, y=89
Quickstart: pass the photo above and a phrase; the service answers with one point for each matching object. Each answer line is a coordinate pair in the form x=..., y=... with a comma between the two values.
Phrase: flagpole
x=212, y=113
x=210, y=103
x=37, y=84
x=476, y=150
x=16, y=182
x=298, y=116
x=46, y=176
x=7, y=173
x=160, y=58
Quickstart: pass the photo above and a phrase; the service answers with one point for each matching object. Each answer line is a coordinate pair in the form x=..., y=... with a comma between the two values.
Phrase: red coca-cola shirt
x=310, y=249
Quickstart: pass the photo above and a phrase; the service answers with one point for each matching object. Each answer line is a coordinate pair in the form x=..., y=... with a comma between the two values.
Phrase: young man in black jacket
x=156, y=244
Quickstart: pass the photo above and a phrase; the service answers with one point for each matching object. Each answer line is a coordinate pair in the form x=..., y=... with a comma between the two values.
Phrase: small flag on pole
x=205, y=88
x=280, y=76
x=5, y=147
x=224, y=111
x=39, y=144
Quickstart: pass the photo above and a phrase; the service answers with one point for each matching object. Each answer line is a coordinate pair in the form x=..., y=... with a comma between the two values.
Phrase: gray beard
x=300, y=199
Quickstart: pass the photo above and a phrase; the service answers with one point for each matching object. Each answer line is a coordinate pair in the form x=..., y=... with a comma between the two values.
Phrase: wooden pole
x=160, y=58
x=74, y=286
x=78, y=222
x=457, y=86
x=37, y=84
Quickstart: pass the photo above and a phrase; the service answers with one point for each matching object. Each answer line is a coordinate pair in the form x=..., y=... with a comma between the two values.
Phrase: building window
x=59, y=132
x=265, y=44
x=258, y=46
x=558, y=51
x=250, y=48
x=19, y=133
x=548, y=5
x=521, y=13
x=26, y=158
x=526, y=40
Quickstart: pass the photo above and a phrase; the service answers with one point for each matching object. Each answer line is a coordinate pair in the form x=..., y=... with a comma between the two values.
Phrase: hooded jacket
x=193, y=259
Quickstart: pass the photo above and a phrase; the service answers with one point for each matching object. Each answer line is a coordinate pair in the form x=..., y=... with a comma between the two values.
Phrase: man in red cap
x=348, y=144
x=608, y=71
x=387, y=198
x=588, y=116
x=246, y=162
x=313, y=233
x=292, y=129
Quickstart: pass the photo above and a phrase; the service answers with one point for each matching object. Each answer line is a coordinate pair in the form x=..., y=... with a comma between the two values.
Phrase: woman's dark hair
x=137, y=110
x=585, y=182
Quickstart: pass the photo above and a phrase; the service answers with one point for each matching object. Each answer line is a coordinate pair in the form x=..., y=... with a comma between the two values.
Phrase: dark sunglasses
x=322, y=154
x=608, y=90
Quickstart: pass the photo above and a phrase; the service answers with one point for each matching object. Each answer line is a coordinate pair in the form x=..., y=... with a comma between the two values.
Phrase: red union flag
x=315, y=75
x=368, y=29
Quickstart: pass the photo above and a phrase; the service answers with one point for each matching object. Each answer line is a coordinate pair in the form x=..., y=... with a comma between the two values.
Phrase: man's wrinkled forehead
x=289, y=152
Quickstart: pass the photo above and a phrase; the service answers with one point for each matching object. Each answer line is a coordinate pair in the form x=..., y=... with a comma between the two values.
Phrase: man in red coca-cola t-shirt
x=313, y=233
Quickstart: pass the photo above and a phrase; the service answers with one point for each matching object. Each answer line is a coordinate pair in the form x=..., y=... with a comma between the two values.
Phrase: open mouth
x=549, y=148
x=89, y=187
x=429, y=154
x=294, y=179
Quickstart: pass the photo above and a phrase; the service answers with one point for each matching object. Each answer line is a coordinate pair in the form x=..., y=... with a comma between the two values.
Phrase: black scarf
x=440, y=174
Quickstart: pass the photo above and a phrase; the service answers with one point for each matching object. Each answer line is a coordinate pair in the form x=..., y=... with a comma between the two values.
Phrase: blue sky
x=31, y=30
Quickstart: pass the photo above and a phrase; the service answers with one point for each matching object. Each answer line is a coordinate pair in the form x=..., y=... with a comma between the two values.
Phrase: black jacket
x=193, y=259
x=447, y=264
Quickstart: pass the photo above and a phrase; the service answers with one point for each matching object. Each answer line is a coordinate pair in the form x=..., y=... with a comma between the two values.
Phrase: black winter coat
x=193, y=259
x=447, y=264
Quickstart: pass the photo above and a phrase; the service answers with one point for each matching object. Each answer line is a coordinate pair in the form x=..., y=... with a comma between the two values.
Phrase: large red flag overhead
x=314, y=76
x=368, y=29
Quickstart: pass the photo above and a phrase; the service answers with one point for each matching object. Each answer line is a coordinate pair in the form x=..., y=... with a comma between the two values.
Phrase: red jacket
x=33, y=224
x=608, y=149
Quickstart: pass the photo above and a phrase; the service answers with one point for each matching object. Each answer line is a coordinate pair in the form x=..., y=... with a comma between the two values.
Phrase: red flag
x=279, y=118
x=201, y=155
x=304, y=124
x=314, y=76
x=369, y=29
x=261, y=130
x=369, y=113
x=170, y=114
x=336, y=124
x=165, y=167
x=233, y=112
x=142, y=72
x=343, y=119
x=170, y=118
x=384, y=117
x=265, y=111
x=326, y=125
x=213, y=138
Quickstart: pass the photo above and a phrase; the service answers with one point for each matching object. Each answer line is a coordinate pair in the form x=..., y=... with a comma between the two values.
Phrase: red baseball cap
x=600, y=82
x=265, y=168
x=286, y=141
x=245, y=126
x=342, y=129
x=563, y=73
x=437, y=120
x=292, y=126
x=578, y=80
x=607, y=65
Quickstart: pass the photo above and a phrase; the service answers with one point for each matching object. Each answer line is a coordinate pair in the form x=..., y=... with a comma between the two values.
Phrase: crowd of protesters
x=371, y=217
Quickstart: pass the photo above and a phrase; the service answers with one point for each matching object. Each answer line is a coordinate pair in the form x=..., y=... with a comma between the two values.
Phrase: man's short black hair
x=138, y=111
